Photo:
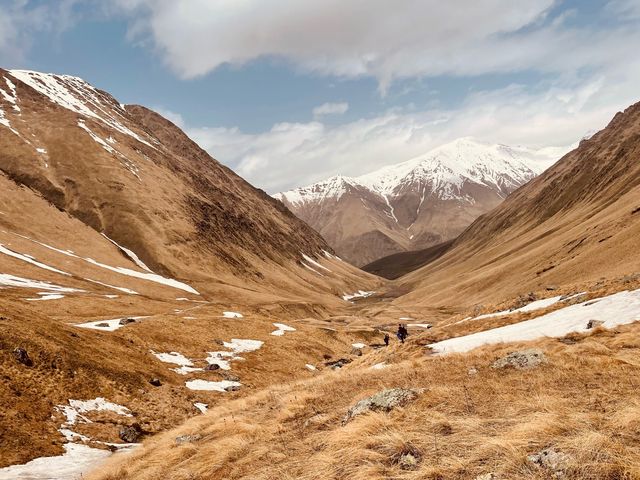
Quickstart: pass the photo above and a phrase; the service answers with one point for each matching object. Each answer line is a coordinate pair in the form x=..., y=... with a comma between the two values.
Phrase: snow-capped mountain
x=417, y=203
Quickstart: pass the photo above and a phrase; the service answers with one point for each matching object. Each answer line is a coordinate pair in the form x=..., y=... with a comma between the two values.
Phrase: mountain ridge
x=417, y=203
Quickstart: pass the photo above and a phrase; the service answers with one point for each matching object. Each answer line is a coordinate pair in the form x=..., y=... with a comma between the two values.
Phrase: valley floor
x=576, y=402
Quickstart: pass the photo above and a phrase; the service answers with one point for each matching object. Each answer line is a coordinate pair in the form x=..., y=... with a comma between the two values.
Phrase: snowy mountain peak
x=445, y=169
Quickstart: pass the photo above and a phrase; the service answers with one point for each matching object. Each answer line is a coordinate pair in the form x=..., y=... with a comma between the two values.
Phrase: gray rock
x=232, y=388
x=384, y=401
x=102, y=325
x=155, y=382
x=230, y=377
x=338, y=363
x=594, y=323
x=131, y=433
x=551, y=288
x=472, y=371
x=182, y=439
x=21, y=355
x=127, y=321
x=356, y=351
x=550, y=459
x=522, y=360
x=212, y=367
x=487, y=476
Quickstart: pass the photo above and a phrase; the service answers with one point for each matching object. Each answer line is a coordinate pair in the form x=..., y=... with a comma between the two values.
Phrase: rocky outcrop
x=551, y=460
x=522, y=360
x=384, y=401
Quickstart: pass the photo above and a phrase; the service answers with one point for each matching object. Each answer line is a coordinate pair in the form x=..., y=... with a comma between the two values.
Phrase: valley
x=162, y=318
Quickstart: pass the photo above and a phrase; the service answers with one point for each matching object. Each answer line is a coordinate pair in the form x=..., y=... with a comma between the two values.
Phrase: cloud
x=296, y=154
x=21, y=20
x=378, y=38
x=174, y=117
x=330, y=109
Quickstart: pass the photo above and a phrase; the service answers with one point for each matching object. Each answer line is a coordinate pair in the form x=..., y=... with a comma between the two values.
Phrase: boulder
x=212, y=367
x=522, y=360
x=384, y=401
x=130, y=433
x=551, y=288
x=21, y=355
x=356, y=351
x=594, y=323
x=338, y=363
x=103, y=325
x=127, y=321
x=155, y=382
x=182, y=439
x=524, y=300
x=550, y=459
x=232, y=388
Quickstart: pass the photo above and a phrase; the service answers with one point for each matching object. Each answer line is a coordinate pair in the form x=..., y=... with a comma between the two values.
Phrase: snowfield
x=281, y=328
x=617, y=309
x=359, y=294
x=211, y=386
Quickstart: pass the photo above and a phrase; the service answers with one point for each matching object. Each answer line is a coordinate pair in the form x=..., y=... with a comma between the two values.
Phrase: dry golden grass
x=583, y=403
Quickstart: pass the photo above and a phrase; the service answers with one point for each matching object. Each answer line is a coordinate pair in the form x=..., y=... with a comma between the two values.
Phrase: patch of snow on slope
x=308, y=267
x=358, y=294
x=7, y=280
x=617, y=309
x=281, y=329
x=201, y=406
x=310, y=367
x=313, y=262
x=11, y=97
x=72, y=465
x=76, y=95
x=173, y=357
x=106, y=325
x=29, y=259
x=131, y=254
x=232, y=315
x=358, y=345
x=242, y=346
x=121, y=289
x=206, y=385
x=46, y=296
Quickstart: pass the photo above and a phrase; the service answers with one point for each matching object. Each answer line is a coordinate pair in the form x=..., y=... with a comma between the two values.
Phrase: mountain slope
x=577, y=222
x=418, y=203
x=123, y=243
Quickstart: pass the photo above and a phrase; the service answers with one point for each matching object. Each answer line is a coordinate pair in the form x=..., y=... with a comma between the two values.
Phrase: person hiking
x=386, y=339
x=402, y=333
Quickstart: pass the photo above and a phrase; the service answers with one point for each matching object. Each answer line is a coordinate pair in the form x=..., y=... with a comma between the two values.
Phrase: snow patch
x=232, y=315
x=310, y=367
x=358, y=294
x=203, y=407
x=281, y=328
x=7, y=280
x=313, y=262
x=131, y=254
x=31, y=260
x=617, y=309
x=211, y=386
x=358, y=345
x=173, y=357
x=105, y=325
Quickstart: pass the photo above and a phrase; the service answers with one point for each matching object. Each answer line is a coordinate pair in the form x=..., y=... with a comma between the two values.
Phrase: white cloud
x=331, y=109
x=20, y=20
x=295, y=154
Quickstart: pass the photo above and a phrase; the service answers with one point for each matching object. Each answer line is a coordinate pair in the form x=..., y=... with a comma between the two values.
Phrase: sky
x=289, y=92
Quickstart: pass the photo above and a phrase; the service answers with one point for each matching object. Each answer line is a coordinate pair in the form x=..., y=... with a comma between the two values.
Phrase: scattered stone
x=549, y=459
x=472, y=371
x=232, y=388
x=522, y=360
x=524, y=300
x=182, y=439
x=594, y=323
x=487, y=476
x=631, y=278
x=384, y=401
x=219, y=342
x=155, y=382
x=409, y=461
x=551, y=288
x=338, y=363
x=21, y=355
x=131, y=433
x=3, y=318
x=103, y=325
x=356, y=351
x=127, y=321
x=231, y=377
x=211, y=367
x=74, y=335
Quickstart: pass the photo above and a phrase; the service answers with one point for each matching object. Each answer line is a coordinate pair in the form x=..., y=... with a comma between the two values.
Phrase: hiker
x=386, y=339
x=402, y=333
